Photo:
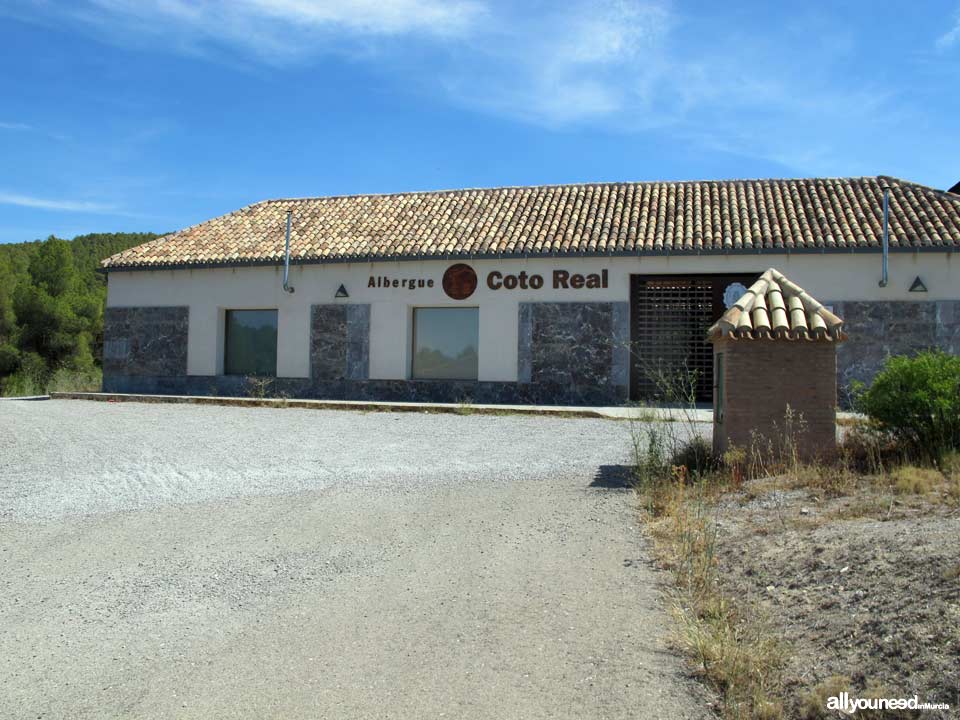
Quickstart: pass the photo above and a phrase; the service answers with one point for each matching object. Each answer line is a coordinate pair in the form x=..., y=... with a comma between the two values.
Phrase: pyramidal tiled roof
x=594, y=219
x=774, y=307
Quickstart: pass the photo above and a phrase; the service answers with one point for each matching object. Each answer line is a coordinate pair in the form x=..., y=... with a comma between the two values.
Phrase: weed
x=679, y=483
x=735, y=461
x=813, y=703
x=666, y=451
x=696, y=455
x=258, y=387
x=861, y=506
x=953, y=489
x=740, y=657
x=23, y=384
x=911, y=480
x=65, y=380
x=826, y=480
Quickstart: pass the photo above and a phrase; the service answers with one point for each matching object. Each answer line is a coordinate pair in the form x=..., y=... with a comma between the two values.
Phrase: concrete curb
x=361, y=405
x=622, y=412
x=27, y=397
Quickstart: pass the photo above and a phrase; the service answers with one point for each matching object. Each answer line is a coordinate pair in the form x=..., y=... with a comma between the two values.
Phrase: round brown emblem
x=459, y=281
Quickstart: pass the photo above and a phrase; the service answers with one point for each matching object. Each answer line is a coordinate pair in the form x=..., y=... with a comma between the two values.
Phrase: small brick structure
x=774, y=349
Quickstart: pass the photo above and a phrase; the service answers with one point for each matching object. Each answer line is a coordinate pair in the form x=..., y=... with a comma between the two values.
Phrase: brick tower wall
x=761, y=378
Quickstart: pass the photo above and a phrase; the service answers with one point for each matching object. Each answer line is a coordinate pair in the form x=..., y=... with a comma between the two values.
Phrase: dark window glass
x=251, y=343
x=445, y=342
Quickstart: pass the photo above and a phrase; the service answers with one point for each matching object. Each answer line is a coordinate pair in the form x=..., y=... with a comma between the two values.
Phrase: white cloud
x=277, y=31
x=14, y=126
x=952, y=36
x=58, y=205
x=789, y=92
x=379, y=17
x=643, y=66
x=582, y=61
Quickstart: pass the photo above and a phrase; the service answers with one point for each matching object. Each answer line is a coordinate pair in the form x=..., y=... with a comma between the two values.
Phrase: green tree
x=51, y=267
x=52, y=297
x=9, y=354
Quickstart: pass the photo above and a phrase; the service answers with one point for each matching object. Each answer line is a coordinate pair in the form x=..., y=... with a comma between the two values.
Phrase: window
x=445, y=342
x=250, y=345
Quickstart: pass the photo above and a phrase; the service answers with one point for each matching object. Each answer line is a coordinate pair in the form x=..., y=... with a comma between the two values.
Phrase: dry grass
x=911, y=480
x=680, y=484
x=741, y=660
x=813, y=705
x=935, y=485
x=953, y=490
x=823, y=480
x=735, y=652
x=761, y=488
x=728, y=643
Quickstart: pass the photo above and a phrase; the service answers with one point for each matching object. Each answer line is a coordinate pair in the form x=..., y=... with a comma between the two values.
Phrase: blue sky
x=125, y=115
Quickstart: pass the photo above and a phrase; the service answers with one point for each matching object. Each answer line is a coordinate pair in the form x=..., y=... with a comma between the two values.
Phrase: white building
x=559, y=294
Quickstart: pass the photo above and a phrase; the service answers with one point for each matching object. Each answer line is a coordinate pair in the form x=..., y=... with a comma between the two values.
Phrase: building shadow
x=613, y=477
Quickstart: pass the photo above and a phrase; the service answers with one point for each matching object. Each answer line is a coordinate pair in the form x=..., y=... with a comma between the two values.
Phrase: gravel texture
x=874, y=599
x=178, y=561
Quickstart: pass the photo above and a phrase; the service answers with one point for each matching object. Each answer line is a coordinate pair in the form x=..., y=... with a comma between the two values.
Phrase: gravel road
x=177, y=561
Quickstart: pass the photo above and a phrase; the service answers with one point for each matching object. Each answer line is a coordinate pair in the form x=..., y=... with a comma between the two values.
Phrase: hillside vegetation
x=51, y=311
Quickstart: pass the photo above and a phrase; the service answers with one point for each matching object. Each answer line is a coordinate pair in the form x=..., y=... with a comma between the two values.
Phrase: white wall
x=208, y=292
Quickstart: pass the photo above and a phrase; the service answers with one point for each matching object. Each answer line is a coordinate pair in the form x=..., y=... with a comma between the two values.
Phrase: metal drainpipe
x=286, y=261
x=886, y=236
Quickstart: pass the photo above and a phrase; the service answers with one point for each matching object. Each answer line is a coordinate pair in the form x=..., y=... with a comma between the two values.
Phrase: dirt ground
x=183, y=561
x=863, y=586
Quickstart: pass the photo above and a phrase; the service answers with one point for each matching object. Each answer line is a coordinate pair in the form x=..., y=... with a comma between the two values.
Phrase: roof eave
x=352, y=259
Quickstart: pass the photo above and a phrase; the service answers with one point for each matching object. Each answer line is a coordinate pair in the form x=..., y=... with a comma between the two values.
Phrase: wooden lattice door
x=670, y=315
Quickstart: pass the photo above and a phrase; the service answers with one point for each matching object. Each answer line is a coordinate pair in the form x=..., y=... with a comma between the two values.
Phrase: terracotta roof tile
x=597, y=219
x=775, y=307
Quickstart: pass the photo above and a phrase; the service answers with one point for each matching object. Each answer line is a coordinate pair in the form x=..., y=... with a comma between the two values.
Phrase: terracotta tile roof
x=774, y=307
x=595, y=219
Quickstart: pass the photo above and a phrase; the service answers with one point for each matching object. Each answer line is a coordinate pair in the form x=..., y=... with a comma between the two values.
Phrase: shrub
x=697, y=456
x=916, y=400
x=865, y=450
x=69, y=380
x=30, y=379
x=910, y=480
x=649, y=454
x=9, y=358
x=21, y=385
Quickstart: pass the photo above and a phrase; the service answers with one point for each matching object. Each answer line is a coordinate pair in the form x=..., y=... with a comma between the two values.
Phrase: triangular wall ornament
x=342, y=292
x=918, y=285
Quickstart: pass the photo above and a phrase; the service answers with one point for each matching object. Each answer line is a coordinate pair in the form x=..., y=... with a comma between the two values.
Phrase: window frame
x=413, y=343
x=226, y=340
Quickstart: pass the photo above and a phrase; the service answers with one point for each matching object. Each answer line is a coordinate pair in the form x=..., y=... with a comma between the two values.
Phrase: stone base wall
x=880, y=329
x=339, y=342
x=581, y=348
x=145, y=341
x=569, y=353
x=761, y=378
x=482, y=392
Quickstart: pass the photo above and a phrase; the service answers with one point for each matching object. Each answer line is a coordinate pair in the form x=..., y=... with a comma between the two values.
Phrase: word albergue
x=382, y=281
